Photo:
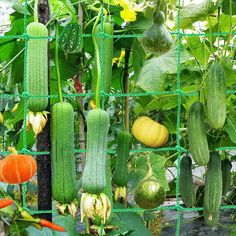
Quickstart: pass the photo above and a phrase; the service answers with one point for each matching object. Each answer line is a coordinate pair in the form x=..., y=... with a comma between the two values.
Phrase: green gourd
x=62, y=153
x=197, y=134
x=157, y=39
x=37, y=67
x=121, y=168
x=213, y=188
x=226, y=175
x=94, y=176
x=105, y=54
x=186, y=182
x=71, y=40
x=215, y=96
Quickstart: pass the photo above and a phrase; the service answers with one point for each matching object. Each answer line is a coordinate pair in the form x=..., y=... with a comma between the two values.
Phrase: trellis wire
x=177, y=92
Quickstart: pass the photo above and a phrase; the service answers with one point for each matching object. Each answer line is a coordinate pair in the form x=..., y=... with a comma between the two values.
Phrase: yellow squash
x=150, y=132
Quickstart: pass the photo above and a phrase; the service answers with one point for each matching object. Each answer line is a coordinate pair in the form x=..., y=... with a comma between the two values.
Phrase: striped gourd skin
x=121, y=168
x=197, y=134
x=213, y=186
x=37, y=67
x=211, y=219
x=226, y=175
x=63, y=158
x=107, y=54
x=186, y=182
x=94, y=177
x=71, y=40
x=215, y=96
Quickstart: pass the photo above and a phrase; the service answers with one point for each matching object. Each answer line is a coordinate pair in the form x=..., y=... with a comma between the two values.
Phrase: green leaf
x=194, y=12
x=18, y=228
x=19, y=113
x=140, y=168
x=32, y=231
x=128, y=223
x=155, y=70
x=226, y=7
x=230, y=127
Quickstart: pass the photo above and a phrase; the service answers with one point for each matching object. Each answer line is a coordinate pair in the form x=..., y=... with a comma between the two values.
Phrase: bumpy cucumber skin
x=105, y=58
x=121, y=169
x=186, y=182
x=197, y=134
x=94, y=176
x=63, y=158
x=213, y=188
x=226, y=176
x=215, y=96
x=37, y=67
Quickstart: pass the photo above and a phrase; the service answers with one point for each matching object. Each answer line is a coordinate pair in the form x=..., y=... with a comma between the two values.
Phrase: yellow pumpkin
x=150, y=132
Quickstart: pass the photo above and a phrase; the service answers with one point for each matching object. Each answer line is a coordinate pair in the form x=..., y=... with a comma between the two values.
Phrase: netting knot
x=180, y=149
x=25, y=151
x=25, y=36
x=25, y=94
x=179, y=91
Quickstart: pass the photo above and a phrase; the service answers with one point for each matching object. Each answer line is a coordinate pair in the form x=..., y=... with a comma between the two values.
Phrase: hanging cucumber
x=213, y=189
x=121, y=168
x=186, y=182
x=63, y=158
x=37, y=67
x=105, y=55
x=215, y=96
x=157, y=39
x=226, y=175
x=197, y=134
x=94, y=202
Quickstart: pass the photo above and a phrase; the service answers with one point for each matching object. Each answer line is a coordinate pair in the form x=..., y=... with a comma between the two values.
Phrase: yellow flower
x=120, y=193
x=37, y=120
x=128, y=15
x=118, y=60
x=92, y=104
x=1, y=118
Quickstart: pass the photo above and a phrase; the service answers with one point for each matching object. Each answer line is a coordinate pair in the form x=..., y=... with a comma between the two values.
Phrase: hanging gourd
x=17, y=168
x=157, y=39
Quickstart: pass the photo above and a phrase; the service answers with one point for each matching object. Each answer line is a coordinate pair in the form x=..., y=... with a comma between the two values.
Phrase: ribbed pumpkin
x=17, y=168
x=150, y=132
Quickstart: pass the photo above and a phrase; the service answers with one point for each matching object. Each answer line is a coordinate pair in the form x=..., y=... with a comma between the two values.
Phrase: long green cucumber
x=63, y=158
x=186, y=182
x=121, y=168
x=226, y=175
x=215, y=96
x=94, y=176
x=213, y=188
x=197, y=134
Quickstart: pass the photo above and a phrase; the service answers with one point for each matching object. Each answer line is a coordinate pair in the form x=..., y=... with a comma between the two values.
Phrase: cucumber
x=105, y=55
x=197, y=134
x=62, y=153
x=215, y=96
x=226, y=175
x=186, y=182
x=213, y=188
x=94, y=175
x=37, y=67
x=121, y=168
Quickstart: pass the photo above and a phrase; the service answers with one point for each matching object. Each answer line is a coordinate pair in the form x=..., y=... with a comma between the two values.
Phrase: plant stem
x=57, y=66
x=218, y=20
x=211, y=37
x=36, y=16
x=97, y=95
x=126, y=89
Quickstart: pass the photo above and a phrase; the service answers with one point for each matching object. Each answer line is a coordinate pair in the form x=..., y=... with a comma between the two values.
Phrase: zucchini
x=94, y=176
x=213, y=188
x=186, y=182
x=197, y=134
x=121, y=168
x=226, y=175
x=37, y=67
x=215, y=96
x=105, y=48
x=62, y=153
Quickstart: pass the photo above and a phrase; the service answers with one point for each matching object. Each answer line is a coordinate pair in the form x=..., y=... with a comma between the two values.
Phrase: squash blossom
x=120, y=193
x=130, y=9
x=37, y=120
x=93, y=206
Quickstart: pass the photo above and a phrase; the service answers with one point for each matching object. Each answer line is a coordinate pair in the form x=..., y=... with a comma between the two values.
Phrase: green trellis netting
x=177, y=92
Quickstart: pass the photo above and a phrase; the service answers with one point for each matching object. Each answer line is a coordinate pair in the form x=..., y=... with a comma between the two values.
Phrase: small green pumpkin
x=157, y=39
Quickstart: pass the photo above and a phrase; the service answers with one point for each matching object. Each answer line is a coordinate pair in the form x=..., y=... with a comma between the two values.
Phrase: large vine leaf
x=194, y=12
x=230, y=128
x=156, y=70
x=140, y=169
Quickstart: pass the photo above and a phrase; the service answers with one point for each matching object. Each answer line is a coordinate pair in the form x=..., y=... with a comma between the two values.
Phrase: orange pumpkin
x=17, y=168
